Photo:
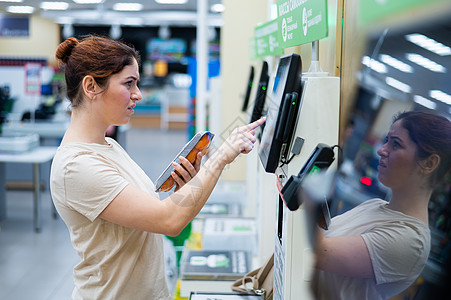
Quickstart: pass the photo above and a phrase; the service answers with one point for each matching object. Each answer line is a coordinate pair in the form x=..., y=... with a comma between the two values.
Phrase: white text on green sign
x=301, y=21
x=266, y=43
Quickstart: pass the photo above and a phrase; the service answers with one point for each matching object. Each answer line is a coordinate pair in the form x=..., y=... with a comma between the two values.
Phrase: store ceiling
x=421, y=81
x=152, y=13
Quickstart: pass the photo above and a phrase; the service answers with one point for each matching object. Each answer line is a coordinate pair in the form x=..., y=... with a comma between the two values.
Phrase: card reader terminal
x=320, y=159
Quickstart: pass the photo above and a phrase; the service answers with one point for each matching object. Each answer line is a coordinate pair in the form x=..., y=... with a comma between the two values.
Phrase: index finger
x=255, y=124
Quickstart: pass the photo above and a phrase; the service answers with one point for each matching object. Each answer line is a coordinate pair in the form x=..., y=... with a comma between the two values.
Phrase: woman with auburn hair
x=378, y=249
x=114, y=217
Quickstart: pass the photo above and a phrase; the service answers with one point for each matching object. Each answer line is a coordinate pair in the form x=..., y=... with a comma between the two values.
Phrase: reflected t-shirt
x=398, y=246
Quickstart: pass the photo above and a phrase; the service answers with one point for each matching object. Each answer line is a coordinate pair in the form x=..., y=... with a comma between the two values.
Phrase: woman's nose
x=136, y=95
x=382, y=151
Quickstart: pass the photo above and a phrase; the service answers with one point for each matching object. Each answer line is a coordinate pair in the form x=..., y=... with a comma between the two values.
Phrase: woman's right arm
x=137, y=209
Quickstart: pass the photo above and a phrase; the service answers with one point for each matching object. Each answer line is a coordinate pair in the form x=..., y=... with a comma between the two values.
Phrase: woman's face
x=398, y=163
x=118, y=100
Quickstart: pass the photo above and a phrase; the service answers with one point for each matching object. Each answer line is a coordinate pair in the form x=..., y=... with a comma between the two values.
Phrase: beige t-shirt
x=398, y=246
x=116, y=262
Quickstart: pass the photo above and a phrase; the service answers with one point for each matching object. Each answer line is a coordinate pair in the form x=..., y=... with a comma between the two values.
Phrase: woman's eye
x=395, y=145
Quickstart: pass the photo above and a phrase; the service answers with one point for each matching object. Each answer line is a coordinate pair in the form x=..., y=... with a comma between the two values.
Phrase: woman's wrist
x=217, y=160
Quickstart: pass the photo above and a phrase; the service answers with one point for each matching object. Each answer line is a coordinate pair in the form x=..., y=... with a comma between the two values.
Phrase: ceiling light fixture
x=429, y=44
x=440, y=96
x=425, y=102
x=171, y=1
x=374, y=64
x=15, y=1
x=395, y=63
x=217, y=8
x=398, y=84
x=128, y=6
x=54, y=5
x=20, y=9
x=425, y=62
x=88, y=1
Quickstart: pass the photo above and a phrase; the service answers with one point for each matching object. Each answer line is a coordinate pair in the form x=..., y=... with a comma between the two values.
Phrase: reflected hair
x=432, y=135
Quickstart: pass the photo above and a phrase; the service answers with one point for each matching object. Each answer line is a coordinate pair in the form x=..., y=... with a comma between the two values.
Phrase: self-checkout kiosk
x=301, y=128
x=249, y=84
x=255, y=110
x=262, y=185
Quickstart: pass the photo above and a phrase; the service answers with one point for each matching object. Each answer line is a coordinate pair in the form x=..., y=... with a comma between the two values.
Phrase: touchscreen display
x=273, y=110
x=260, y=97
x=287, y=80
x=248, y=89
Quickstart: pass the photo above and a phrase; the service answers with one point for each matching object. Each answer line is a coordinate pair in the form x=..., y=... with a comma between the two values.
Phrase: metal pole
x=202, y=65
x=37, y=197
x=315, y=66
x=315, y=51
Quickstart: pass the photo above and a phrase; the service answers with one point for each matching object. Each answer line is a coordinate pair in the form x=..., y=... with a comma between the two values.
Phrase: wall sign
x=14, y=26
x=266, y=41
x=301, y=21
x=33, y=78
x=252, y=53
x=373, y=10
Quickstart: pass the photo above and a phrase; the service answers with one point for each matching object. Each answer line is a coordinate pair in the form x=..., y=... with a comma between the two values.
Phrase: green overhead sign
x=301, y=21
x=266, y=42
x=373, y=10
x=252, y=53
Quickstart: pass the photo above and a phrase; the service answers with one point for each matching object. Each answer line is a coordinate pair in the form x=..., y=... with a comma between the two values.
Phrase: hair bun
x=64, y=49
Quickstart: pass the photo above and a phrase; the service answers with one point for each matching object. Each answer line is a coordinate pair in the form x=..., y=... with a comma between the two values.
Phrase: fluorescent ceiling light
x=440, y=96
x=22, y=9
x=181, y=80
x=88, y=1
x=398, y=84
x=425, y=62
x=374, y=64
x=128, y=6
x=16, y=1
x=217, y=8
x=429, y=44
x=54, y=5
x=425, y=102
x=395, y=63
x=171, y=1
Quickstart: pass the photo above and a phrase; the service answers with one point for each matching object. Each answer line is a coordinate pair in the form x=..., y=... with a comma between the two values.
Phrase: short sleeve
x=397, y=250
x=91, y=182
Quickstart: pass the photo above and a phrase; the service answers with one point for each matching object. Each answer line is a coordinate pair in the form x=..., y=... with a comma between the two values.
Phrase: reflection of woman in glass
x=379, y=248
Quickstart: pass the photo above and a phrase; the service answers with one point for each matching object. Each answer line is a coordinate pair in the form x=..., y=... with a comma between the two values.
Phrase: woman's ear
x=90, y=87
x=430, y=163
